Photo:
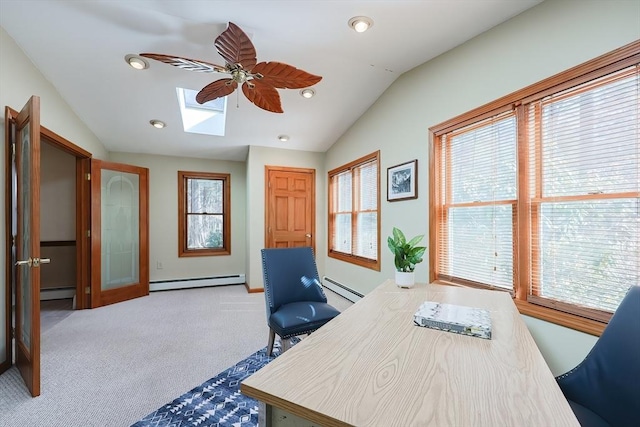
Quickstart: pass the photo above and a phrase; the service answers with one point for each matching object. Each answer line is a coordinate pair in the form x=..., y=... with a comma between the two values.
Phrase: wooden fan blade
x=236, y=48
x=186, y=63
x=263, y=95
x=217, y=89
x=284, y=76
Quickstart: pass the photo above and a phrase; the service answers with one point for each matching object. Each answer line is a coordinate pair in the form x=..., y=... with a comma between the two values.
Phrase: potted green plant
x=406, y=256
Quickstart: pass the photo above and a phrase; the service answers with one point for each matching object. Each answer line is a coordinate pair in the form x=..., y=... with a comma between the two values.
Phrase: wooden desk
x=371, y=366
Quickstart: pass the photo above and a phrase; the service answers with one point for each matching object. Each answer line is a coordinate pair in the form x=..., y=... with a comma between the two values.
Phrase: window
x=204, y=214
x=538, y=193
x=479, y=202
x=354, y=206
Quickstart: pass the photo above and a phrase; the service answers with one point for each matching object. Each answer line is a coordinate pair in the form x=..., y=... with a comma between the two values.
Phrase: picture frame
x=402, y=181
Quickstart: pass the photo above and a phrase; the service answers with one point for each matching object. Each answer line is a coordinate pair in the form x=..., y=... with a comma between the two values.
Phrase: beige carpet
x=113, y=365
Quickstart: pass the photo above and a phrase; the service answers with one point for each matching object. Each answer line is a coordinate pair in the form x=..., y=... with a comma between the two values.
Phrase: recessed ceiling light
x=136, y=62
x=307, y=93
x=360, y=23
x=157, y=124
x=283, y=138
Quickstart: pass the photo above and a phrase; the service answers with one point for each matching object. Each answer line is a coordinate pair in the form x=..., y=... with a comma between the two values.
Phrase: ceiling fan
x=259, y=80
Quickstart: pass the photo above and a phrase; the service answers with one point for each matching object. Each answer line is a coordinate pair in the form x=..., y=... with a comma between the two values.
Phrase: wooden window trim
x=572, y=321
x=183, y=251
x=611, y=62
x=350, y=258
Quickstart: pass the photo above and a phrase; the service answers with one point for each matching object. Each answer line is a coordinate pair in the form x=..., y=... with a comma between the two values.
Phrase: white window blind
x=478, y=194
x=584, y=184
x=366, y=233
x=341, y=238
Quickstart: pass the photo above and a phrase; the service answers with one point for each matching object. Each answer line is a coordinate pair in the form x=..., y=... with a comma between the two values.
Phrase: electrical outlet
x=159, y=265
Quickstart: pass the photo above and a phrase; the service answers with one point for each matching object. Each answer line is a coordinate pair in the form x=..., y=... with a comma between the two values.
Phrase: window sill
x=567, y=320
x=362, y=262
x=204, y=252
x=571, y=321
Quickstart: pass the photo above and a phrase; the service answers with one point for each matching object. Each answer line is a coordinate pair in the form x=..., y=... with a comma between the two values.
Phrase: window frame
x=619, y=59
x=342, y=256
x=183, y=179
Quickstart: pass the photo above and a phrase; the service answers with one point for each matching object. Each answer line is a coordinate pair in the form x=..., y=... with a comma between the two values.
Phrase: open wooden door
x=25, y=189
x=119, y=232
x=290, y=207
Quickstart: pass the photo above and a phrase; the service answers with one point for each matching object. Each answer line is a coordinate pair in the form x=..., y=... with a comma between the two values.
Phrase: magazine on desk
x=454, y=318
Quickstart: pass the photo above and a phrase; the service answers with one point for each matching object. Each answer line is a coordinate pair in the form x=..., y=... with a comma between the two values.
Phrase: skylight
x=208, y=118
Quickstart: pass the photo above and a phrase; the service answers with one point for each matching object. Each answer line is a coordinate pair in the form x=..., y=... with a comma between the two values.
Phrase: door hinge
x=13, y=332
x=13, y=150
x=88, y=233
x=87, y=290
x=88, y=176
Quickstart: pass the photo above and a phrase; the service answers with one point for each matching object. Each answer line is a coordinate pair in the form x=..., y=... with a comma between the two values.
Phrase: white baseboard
x=50, y=294
x=341, y=289
x=165, y=285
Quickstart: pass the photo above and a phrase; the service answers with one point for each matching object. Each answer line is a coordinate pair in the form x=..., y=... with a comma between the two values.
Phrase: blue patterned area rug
x=216, y=403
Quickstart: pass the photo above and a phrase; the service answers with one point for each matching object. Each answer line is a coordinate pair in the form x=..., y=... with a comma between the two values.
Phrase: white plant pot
x=405, y=280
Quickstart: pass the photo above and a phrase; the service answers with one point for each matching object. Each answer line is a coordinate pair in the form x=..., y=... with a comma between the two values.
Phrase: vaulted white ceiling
x=79, y=46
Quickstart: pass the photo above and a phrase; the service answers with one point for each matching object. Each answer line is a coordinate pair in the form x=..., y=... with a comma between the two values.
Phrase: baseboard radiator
x=341, y=289
x=57, y=293
x=199, y=282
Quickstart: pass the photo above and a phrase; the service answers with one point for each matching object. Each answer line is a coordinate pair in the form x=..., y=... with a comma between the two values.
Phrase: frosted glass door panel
x=120, y=239
x=24, y=237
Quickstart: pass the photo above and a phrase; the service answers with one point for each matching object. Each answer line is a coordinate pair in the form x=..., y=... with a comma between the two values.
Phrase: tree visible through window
x=538, y=193
x=204, y=214
x=354, y=206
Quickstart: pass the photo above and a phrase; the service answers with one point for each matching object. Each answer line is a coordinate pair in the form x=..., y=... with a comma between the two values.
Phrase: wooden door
x=290, y=207
x=25, y=187
x=119, y=232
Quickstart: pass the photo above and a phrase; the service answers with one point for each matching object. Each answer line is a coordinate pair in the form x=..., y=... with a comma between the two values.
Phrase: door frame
x=83, y=214
x=312, y=172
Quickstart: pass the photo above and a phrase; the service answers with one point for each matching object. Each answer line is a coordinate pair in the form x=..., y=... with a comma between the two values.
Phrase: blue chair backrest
x=608, y=383
x=290, y=275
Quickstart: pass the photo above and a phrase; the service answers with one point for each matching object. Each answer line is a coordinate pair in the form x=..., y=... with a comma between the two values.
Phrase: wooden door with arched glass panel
x=119, y=232
x=22, y=136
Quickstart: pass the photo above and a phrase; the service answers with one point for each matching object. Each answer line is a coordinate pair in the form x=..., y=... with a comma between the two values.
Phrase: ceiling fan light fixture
x=259, y=81
x=307, y=93
x=360, y=24
x=283, y=138
x=158, y=124
x=136, y=62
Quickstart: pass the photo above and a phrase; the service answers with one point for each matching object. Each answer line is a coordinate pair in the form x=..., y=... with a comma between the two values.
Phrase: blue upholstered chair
x=604, y=390
x=295, y=301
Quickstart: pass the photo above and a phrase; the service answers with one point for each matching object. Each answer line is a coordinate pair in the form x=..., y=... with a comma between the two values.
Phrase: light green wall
x=543, y=41
x=19, y=80
x=163, y=216
x=258, y=158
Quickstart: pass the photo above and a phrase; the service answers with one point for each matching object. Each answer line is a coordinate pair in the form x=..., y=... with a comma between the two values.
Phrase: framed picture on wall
x=402, y=181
